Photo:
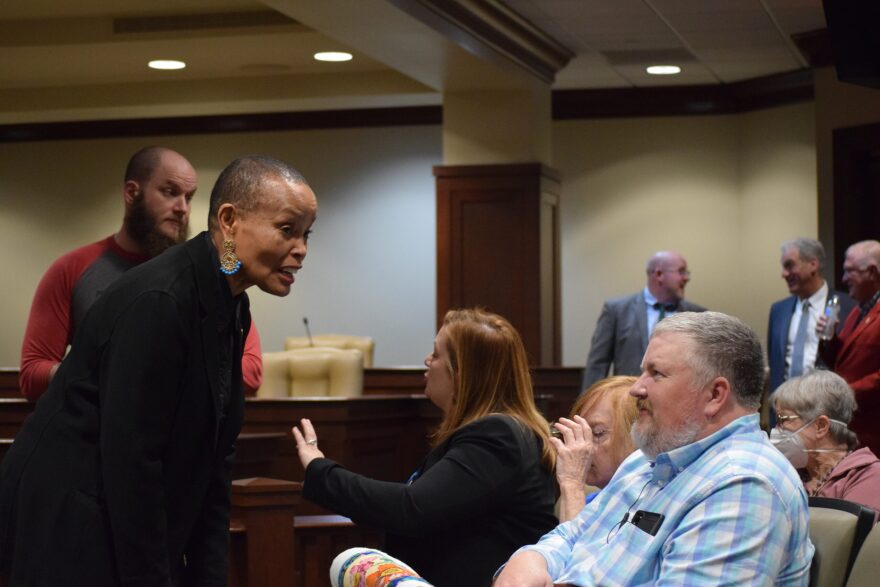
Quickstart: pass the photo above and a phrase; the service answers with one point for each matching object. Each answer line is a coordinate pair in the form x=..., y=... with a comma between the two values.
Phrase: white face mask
x=790, y=444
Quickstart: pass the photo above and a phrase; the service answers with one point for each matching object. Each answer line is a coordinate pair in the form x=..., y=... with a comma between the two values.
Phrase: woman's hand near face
x=306, y=443
x=574, y=455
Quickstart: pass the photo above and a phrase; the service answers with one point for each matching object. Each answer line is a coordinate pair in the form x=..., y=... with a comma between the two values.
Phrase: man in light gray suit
x=623, y=328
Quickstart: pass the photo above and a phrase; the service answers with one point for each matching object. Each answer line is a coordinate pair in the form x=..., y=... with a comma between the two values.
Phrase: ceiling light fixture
x=166, y=64
x=333, y=56
x=663, y=69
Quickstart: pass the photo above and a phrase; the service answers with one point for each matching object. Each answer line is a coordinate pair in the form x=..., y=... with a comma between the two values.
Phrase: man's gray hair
x=820, y=393
x=722, y=346
x=868, y=253
x=808, y=249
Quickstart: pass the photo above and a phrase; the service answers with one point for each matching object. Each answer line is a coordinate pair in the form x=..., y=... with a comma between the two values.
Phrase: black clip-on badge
x=648, y=521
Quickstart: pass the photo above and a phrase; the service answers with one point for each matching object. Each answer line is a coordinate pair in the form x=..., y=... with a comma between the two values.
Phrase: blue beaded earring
x=229, y=263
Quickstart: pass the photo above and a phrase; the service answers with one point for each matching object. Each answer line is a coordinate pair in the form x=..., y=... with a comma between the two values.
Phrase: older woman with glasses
x=814, y=412
x=594, y=441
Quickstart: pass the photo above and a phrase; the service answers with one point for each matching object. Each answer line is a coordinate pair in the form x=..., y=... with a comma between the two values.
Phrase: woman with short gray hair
x=812, y=430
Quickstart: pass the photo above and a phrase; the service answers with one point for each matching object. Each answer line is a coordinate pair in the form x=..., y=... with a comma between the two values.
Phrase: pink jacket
x=856, y=478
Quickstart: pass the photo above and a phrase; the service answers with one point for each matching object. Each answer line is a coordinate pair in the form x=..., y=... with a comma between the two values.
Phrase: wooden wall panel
x=856, y=189
x=9, y=383
x=492, y=245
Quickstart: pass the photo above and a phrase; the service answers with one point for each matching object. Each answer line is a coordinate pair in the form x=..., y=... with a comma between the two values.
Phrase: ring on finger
x=313, y=441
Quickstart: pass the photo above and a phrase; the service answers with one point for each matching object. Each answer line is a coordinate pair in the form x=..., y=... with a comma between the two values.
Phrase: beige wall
x=503, y=126
x=371, y=264
x=725, y=190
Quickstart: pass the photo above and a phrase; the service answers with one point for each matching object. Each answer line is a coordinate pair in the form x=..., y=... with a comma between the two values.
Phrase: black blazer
x=122, y=472
x=477, y=497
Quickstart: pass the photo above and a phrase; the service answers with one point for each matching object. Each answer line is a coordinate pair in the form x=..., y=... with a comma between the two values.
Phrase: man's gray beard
x=655, y=441
x=144, y=229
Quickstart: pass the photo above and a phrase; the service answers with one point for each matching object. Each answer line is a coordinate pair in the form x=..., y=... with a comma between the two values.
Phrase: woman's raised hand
x=306, y=443
x=574, y=452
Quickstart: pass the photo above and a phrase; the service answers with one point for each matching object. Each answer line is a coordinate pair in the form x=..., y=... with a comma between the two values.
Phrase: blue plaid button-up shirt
x=735, y=514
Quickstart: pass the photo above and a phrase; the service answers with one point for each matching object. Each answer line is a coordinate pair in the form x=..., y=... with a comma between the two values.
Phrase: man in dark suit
x=791, y=333
x=623, y=328
x=854, y=354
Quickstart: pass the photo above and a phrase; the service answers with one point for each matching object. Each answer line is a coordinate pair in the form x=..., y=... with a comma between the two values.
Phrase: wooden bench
x=317, y=541
x=270, y=545
x=276, y=538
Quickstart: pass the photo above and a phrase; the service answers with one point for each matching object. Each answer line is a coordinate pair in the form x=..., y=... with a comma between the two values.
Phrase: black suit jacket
x=477, y=497
x=122, y=472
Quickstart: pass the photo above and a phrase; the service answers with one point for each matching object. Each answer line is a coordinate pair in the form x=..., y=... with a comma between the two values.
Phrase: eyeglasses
x=780, y=420
x=601, y=435
x=682, y=272
x=851, y=270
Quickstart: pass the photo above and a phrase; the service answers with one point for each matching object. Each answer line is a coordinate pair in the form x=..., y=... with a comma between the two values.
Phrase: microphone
x=308, y=332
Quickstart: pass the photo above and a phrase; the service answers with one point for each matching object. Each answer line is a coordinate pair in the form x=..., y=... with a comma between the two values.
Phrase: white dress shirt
x=811, y=344
x=653, y=313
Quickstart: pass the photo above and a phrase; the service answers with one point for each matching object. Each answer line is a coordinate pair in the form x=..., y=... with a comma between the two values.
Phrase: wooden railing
x=276, y=538
x=560, y=384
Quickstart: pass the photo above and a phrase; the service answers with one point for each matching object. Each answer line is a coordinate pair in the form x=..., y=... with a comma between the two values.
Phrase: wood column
x=498, y=247
x=263, y=512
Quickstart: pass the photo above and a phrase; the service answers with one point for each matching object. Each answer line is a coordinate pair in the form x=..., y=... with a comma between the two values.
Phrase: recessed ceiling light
x=166, y=64
x=333, y=56
x=663, y=69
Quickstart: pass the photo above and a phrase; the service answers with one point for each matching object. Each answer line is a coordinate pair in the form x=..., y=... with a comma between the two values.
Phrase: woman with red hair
x=485, y=489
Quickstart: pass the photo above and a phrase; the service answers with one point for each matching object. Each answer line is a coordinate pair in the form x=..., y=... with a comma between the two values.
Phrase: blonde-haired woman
x=485, y=489
x=595, y=440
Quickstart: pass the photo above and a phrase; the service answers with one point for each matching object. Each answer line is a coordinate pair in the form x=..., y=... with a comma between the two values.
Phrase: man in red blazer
x=855, y=353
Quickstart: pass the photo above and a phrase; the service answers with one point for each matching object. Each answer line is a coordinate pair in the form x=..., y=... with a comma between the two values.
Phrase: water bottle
x=832, y=310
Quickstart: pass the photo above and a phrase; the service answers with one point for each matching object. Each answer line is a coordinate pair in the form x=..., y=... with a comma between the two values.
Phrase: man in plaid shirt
x=707, y=500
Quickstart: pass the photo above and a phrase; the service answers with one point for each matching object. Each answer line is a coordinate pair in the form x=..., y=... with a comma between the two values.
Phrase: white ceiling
x=61, y=59
x=729, y=40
